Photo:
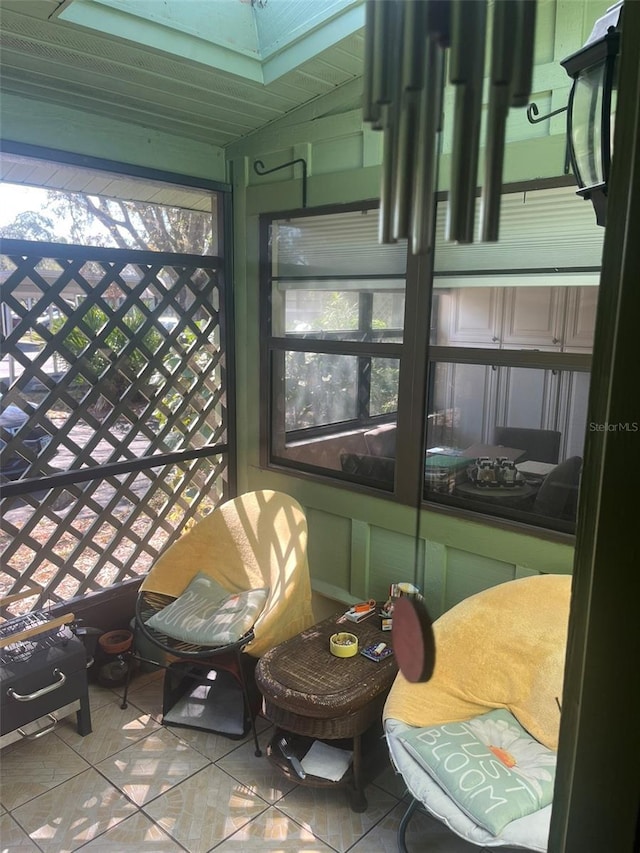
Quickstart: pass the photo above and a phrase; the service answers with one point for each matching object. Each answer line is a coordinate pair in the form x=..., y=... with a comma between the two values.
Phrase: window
x=508, y=366
x=336, y=320
x=116, y=429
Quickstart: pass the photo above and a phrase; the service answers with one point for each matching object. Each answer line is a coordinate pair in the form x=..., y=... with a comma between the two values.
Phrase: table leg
x=358, y=800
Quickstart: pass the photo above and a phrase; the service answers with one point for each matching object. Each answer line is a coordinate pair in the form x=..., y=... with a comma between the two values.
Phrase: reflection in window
x=319, y=389
x=506, y=440
x=335, y=412
x=509, y=360
x=336, y=303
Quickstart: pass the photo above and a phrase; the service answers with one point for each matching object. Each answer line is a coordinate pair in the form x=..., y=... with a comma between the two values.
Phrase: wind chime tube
x=493, y=163
x=411, y=25
x=392, y=38
x=385, y=218
x=404, y=127
x=505, y=22
x=413, y=44
x=468, y=27
x=426, y=152
x=524, y=46
x=370, y=109
x=404, y=179
x=383, y=46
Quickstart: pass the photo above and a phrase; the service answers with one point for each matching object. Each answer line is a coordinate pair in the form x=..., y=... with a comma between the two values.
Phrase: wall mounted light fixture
x=591, y=108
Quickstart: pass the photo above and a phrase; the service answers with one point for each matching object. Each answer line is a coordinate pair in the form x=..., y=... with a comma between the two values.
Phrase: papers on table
x=536, y=469
x=328, y=762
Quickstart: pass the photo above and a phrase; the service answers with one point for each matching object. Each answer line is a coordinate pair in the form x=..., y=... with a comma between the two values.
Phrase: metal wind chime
x=406, y=44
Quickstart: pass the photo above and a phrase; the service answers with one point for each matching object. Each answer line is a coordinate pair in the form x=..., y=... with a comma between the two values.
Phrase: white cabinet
x=546, y=318
x=533, y=317
x=471, y=400
x=580, y=322
x=470, y=316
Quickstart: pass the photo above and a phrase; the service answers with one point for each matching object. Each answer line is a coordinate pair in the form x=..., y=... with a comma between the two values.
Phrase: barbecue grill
x=43, y=676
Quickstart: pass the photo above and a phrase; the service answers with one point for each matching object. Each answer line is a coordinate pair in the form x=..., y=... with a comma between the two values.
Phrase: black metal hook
x=259, y=169
x=532, y=113
x=534, y=118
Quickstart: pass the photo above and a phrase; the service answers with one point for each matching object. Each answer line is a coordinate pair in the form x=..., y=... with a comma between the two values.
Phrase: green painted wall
x=54, y=126
x=360, y=543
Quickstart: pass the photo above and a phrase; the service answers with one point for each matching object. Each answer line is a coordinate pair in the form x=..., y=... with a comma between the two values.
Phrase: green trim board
x=23, y=121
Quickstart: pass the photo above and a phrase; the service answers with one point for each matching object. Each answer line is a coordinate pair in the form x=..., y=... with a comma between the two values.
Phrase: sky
x=15, y=198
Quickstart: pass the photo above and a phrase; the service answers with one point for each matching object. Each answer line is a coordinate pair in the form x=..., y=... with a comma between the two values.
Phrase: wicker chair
x=255, y=541
x=502, y=648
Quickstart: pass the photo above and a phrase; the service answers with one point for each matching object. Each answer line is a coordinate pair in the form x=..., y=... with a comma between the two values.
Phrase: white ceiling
x=187, y=88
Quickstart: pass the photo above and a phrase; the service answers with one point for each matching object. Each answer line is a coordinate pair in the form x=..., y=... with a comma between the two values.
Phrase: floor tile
x=32, y=767
x=12, y=837
x=75, y=812
x=391, y=782
x=257, y=773
x=146, y=694
x=212, y=745
x=205, y=809
x=99, y=696
x=326, y=813
x=151, y=766
x=113, y=730
x=135, y=833
x=273, y=831
x=423, y=833
x=134, y=783
x=142, y=677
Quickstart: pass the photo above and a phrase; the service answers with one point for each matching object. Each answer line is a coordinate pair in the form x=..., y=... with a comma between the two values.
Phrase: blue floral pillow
x=489, y=765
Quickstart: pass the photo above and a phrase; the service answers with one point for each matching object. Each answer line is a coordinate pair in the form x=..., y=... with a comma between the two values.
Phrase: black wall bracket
x=533, y=117
x=259, y=169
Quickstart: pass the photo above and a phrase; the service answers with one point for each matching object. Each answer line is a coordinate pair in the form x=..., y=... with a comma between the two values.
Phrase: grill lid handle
x=29, y=697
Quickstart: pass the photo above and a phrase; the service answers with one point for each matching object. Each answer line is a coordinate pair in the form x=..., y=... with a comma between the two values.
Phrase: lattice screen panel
x=113, y=374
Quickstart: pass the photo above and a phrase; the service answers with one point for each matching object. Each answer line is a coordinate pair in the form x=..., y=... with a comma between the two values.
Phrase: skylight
x=259, y=40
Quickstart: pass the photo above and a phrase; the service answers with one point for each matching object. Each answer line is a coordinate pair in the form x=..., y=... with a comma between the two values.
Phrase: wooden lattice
x=117, y=360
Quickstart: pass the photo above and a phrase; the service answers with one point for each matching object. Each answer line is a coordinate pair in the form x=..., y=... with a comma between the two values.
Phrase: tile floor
x=134, y=785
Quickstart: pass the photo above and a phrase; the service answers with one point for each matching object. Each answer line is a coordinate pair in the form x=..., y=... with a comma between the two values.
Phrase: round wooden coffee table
x=509, y=495
x=309, y=694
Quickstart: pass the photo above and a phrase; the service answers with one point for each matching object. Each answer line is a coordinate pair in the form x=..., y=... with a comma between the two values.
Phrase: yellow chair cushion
x=501, y=648
x=256, y=540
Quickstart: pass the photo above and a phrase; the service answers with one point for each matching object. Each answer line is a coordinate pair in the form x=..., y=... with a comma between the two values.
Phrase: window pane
x=388, y=311
x=385, y=373
x=499, y=443
x=467, y=317
x=319, y=389
x=120, y=211
x=345, y=310
x=335, y=244
x=321, y=414
x=320, y=311
x=457, y=404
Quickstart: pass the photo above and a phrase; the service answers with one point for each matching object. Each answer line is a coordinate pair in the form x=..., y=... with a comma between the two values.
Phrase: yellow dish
x=343, y=645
